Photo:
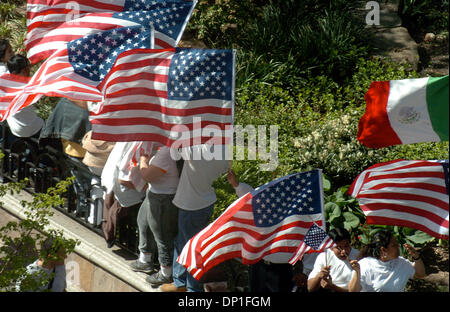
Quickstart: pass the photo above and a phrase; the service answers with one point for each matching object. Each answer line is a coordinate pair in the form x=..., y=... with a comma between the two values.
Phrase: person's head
x=384, y=246
x=19, y=65
x=342, y=239
x=5, y=50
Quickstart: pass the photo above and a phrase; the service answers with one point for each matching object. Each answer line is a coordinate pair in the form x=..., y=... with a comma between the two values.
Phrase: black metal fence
x=45, y=165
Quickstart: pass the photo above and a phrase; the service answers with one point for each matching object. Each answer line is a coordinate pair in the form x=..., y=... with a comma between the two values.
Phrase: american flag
x=410, y=193
x=10, y=86
x=272, y=219
x=76, y=70
x=315, y=239
x=167, y=96
x=54, y=23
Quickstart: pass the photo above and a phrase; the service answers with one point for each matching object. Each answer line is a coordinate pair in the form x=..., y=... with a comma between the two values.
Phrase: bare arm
x=355, y=282
x=314, y=283
x=419, y=266
x=149, y=173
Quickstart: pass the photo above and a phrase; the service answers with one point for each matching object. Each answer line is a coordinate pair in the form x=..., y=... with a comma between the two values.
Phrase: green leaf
x=419, y=237
x=326, y=184
x=351, y=221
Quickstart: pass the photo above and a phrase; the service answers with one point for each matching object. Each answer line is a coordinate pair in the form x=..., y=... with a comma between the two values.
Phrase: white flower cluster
x=334, y=148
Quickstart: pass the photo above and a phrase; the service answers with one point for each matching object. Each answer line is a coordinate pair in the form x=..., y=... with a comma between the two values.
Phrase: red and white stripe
x=136, y=107
x=43, y=42
x=409, y=193
x=10, y=87
x=53, y=23
x=234, y=235
x=55, y=77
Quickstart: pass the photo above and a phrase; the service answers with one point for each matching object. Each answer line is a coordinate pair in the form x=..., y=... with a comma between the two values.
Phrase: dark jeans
x=162, y=218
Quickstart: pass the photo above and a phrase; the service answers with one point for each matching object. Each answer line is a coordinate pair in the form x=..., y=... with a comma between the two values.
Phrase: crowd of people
x=175, y=200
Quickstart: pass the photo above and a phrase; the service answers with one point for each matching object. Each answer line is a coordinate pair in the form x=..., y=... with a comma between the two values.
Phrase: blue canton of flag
x=197, y=74
x=297, y=194
x=158, y=24
x=315, y=237
x=166, y=16
x=94, y=55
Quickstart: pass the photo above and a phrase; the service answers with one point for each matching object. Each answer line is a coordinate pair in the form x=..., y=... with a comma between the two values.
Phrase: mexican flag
x=405, y=111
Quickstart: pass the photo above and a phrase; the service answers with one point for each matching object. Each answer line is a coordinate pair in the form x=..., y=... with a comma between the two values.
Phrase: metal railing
x=44, y=166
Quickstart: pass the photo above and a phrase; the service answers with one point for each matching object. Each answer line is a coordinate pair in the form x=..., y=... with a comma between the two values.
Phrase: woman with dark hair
x=25, y=123
x=332, y=270
x=384, y=270
x=5, y=53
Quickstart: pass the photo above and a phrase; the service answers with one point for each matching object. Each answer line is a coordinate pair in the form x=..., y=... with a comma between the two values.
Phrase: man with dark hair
x=332, y=270
x=5, y=53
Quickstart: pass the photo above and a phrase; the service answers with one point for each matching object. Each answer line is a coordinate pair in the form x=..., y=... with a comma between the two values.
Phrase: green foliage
x=221, y=22
x=7, y=11
x=425, y=15
x=19, y=240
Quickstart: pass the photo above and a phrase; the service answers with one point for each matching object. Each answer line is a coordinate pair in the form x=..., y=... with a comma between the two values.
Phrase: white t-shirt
x=390, y=276
x=168, y=182
x=195, y=189
x=340, y=271
x=25, y=122
x=242, y=189
x=3, y=69
x=111, y=173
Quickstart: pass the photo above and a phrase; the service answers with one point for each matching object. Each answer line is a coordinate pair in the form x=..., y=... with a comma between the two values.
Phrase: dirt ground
x=436, y=263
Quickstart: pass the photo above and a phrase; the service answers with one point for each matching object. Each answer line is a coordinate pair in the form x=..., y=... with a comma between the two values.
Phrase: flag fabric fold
x=77, y=68
x=411, y=193
x=272, y=219
x=405, y=111
x=53, y=23
x=183, y=96
x=315, y=240
x=10, y=87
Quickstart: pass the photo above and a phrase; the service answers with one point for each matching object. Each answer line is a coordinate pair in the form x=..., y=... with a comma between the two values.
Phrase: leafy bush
x=19, y=240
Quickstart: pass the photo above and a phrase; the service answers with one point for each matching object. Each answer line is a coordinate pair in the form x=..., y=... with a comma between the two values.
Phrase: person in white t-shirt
x=25, y=123
x=332, y=270
x=161, y=215
x=120, y=192
x=384, y=270
x=195, y=198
